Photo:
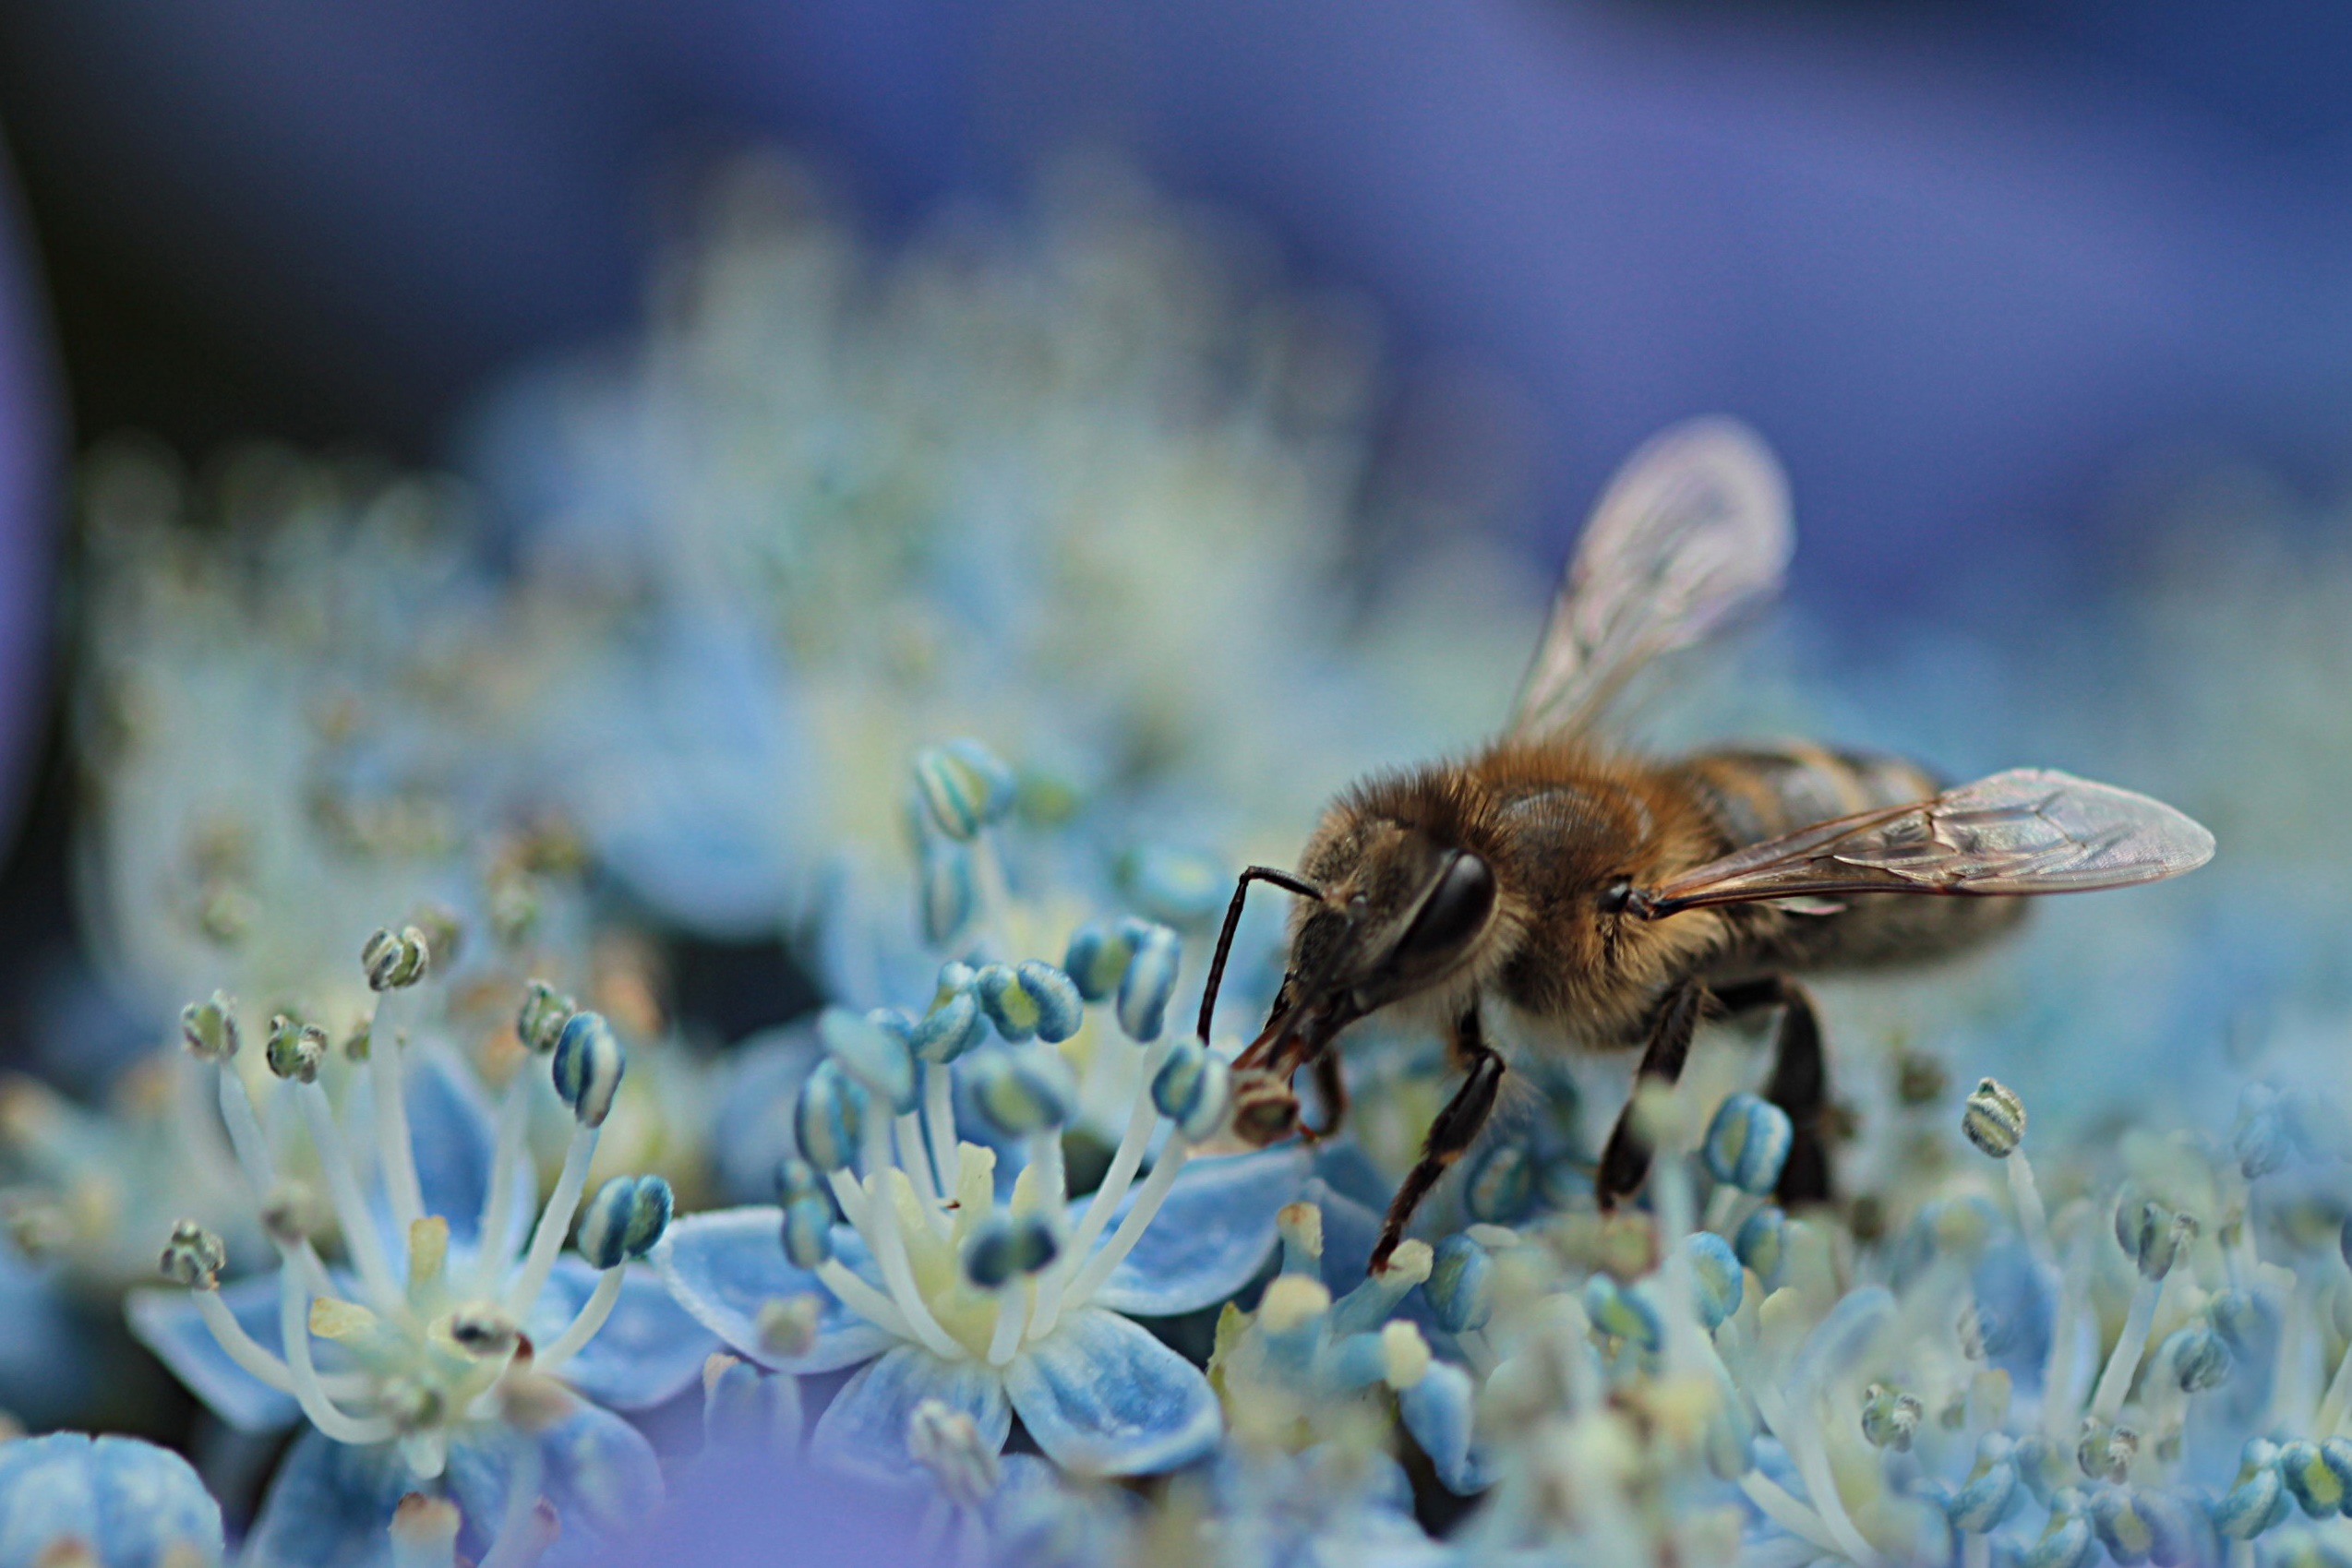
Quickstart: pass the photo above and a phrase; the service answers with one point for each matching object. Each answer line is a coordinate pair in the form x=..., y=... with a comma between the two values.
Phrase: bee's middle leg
x=1799, y=1084
x=1625, y=1159
x=1456, y=1128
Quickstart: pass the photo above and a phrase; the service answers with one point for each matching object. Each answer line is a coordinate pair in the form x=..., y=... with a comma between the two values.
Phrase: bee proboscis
x=1593, y=899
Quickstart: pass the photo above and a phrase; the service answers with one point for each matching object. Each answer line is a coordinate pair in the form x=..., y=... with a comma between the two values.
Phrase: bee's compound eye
x=1617, y=896
x=1454, y=911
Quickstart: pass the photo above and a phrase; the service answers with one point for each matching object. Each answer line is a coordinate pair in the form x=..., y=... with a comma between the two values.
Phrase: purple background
x=1971, y=267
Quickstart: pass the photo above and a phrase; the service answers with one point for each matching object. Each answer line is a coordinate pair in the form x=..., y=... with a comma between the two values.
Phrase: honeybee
x=1567, y=895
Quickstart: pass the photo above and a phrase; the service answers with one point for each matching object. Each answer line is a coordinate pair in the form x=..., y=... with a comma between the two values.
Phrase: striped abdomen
x=1761, y=792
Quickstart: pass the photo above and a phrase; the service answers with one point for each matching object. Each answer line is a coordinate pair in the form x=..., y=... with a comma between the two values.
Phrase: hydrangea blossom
x=941, y=1289
x=69, y=1498
x=1077, y=478
x=429, y=1360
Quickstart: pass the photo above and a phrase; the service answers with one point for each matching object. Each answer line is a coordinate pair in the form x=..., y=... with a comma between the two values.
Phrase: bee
x=1561, y=893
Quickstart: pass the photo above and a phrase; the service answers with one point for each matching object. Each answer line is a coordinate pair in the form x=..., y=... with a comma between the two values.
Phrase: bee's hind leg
x=1799, y=1084
x=1456, y=1128
x=1625, y=1159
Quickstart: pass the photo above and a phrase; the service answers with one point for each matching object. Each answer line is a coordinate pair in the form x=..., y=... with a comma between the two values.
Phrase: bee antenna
x=1289, y=883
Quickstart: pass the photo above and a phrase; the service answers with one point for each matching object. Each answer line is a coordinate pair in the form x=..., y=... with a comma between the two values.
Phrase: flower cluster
x=965, y=1259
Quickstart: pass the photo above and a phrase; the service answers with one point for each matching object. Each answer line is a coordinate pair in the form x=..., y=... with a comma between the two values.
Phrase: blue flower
x=936, y=1289
x=110, y=1501
x=431, y=1361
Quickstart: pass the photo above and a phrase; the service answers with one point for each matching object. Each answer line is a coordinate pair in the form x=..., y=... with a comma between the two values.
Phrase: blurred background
x=2046, y=304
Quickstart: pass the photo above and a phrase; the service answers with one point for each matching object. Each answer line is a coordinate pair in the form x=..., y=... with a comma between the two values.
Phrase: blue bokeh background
x=1964, y=264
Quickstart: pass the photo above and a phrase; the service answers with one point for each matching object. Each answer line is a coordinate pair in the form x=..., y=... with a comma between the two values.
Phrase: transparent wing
x=1692, y=529
x=2028, y=831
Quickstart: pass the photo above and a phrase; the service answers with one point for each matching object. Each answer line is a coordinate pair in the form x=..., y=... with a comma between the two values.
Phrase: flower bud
x=829, y=1118
x=1501, y=1182
x=540, y=1022
x=209, y=1027
x=873, y=1051
x=944, y=879
x=954, y=1024
x=964, y=786
x=588, y=1065
x=1748, y=1142
x=1150, y=981
x=1021, y=1092
x=394, y=961
x=1461, y=1286
x=1182, y=886
x=1193, y=1089
x=2136, y=1523
x=294, y=1049
x=1995, y=1119
x=1985, y=1500
x=1096, y=959
x=1760, y=1241
x=1889, y=1418
x=2315, y=1486
x=2068, y=1542
x=2236, y=1317
x=2254, y=1504
x=2199, y=1358
x=2105, y=1452
x=2152, y=1236
x=1004, y=1247
x=2261, y=1142
x=194, y=1257
x=1622, y=1313
x=807, y=1232
x=625, y=1218
x=1717, y=1281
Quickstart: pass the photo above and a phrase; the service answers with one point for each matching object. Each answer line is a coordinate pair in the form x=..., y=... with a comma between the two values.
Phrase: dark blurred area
x=1971, y=267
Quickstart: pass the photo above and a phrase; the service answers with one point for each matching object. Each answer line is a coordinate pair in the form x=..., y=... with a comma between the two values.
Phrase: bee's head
x=1398, y=912
x=1407, y=919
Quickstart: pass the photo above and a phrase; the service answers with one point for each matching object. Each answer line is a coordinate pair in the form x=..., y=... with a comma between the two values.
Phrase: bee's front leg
x=1456, y=1128
x=1624, y=1160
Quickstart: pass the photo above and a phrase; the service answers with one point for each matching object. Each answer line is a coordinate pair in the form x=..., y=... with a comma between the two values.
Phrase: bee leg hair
x=1456, y=1128
x=1625, y=1159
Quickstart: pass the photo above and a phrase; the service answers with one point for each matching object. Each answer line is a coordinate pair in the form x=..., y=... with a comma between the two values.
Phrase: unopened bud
x=1995, y=1119
x=194, y=1257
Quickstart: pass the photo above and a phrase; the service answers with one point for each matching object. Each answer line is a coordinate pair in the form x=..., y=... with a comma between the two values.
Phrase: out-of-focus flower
x=69, y=1499
x=1077, y=480
x=442, y=1354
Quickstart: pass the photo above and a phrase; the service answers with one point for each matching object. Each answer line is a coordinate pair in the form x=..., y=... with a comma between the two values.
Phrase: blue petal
x=51, y=1354
x=452, y=1130
x=166, y=1322
x=1437, y=1411
x=863, y=1431
x=722, y=1266
x=1103, y=1397
x=129, y=1502
x=597, y=1470
x=689, y=770
x=331, y=1506
x=1209, y=1237
x=752, y=1130
x=648, y=1350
